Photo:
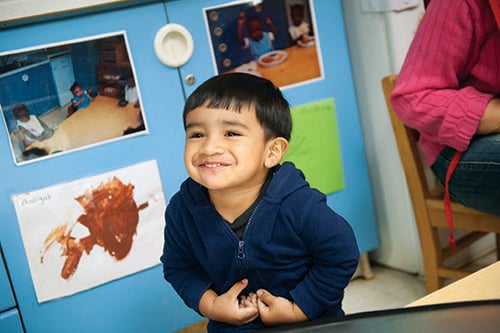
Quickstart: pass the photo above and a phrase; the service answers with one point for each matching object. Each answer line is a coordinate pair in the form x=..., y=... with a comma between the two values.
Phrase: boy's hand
x=249, y=301
x=268, y=21
x=275, y=310
x=227, y=308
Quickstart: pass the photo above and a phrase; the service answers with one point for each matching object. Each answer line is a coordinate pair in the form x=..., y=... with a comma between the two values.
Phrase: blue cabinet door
x=355, y=201
x=142, y=302
x=10, y=322
x=6, y=297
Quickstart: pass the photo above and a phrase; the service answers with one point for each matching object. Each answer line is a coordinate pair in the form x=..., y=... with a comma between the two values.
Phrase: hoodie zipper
x=241, y=243
x=241, y=250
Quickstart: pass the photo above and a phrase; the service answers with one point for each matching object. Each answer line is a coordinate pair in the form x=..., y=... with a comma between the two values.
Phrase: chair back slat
x=406, y=139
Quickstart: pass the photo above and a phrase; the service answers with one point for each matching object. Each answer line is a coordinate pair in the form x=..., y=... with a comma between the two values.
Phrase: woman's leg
x=476, y=180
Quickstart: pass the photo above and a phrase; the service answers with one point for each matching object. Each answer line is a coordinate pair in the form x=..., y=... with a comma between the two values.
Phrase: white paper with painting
x=85, y=233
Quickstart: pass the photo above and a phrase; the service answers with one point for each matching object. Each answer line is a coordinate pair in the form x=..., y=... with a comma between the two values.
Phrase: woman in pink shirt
x=448, y=89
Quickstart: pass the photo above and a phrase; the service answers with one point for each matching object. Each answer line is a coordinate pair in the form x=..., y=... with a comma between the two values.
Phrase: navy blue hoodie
x=295, y=246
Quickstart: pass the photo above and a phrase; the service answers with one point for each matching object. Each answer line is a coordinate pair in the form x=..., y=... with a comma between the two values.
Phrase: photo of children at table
x=275, y=39
x=259, y=41
x=30, y=127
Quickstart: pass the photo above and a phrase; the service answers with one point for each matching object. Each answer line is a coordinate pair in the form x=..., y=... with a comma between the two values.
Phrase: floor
x=56, y=116
x=392, y=288
x=389, y=288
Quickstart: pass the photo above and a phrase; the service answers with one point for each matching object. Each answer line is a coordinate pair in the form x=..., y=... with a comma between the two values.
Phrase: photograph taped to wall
x=88, y=232
x=63, y=97
x=274, y=39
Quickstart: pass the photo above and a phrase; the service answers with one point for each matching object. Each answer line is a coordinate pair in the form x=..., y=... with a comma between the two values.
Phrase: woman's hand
x=490, y=121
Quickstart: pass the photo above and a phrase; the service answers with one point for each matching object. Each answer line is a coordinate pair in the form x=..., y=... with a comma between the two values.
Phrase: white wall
x=377, y=44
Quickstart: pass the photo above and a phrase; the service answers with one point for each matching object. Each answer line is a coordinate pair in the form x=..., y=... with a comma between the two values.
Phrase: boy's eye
x=230, y=133
x=195, y=135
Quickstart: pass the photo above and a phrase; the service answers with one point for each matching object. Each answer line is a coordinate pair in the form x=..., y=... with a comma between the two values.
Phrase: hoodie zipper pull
x=241, y=252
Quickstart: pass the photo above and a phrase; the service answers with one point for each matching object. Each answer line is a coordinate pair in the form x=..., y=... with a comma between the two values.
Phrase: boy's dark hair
x=252, y=19
x=16, y=109
x=297, y=7
x=73, y=86
x=239, y=90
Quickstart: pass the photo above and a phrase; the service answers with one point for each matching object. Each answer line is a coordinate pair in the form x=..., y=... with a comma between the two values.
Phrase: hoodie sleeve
x=335, y=252
x=180, y=266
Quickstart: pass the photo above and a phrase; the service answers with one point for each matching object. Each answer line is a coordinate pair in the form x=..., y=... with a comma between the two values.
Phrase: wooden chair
x=428, y=206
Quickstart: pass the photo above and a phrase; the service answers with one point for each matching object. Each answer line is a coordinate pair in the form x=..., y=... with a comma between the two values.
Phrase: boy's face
x=297, y=16
x=255, y=30
x=225, y=150
x=23, y=115
x=77, y=91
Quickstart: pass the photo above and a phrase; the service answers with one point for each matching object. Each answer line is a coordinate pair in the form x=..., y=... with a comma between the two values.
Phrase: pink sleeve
x=429, y=95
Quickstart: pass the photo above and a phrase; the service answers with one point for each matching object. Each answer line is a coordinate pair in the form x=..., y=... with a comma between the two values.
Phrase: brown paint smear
x=111, y=217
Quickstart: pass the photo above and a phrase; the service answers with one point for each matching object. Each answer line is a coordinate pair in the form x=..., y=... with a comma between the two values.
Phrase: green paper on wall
x=315, y=148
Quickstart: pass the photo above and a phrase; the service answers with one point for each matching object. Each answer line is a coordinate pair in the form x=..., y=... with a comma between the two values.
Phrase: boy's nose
x=212, y=145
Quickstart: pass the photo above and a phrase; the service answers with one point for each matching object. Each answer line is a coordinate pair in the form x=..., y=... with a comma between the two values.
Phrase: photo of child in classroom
x=274, y=39
x=55, y=99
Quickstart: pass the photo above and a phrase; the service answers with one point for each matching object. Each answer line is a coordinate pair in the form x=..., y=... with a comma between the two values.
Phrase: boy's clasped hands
x=231, y=308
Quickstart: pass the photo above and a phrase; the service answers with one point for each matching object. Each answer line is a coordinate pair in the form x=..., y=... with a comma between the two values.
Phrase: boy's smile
x=225, y=149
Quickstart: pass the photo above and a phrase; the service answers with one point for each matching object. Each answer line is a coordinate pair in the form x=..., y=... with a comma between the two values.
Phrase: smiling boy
x=248, y=243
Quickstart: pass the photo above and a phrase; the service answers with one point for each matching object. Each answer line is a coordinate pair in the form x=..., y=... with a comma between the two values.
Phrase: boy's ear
x=277, y=149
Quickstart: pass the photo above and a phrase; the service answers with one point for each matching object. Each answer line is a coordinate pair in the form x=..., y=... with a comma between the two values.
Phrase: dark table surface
x=462, y=317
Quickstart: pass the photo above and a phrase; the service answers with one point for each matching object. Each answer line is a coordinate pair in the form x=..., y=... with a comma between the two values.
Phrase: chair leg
x=432, y=280
x=431, y=251
x=366, y=269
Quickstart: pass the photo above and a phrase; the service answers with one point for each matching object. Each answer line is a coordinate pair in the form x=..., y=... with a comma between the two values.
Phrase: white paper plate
x=273, y=58
x=310, y=43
